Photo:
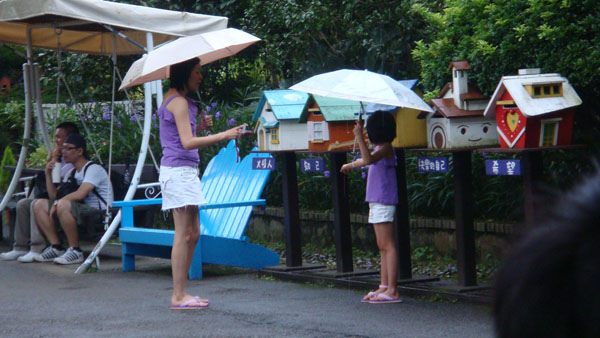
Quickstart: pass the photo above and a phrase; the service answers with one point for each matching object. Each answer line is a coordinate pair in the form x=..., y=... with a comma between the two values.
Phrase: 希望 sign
x=503, y=167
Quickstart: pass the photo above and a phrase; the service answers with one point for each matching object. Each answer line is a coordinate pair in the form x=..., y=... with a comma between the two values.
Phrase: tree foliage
x=304, y=38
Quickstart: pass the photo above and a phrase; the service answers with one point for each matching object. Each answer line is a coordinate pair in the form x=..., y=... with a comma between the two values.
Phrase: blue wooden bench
x=231, y=190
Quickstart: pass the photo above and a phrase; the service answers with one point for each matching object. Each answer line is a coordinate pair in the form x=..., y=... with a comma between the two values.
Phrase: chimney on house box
x=459, y=80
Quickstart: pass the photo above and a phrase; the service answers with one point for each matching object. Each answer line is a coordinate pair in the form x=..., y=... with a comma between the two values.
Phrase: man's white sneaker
x=49, y=254
x=70, y=257
x=12, y=255
x=29, y=257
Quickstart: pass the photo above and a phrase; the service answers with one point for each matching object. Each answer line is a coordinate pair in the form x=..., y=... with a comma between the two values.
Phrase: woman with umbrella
x=178, y=178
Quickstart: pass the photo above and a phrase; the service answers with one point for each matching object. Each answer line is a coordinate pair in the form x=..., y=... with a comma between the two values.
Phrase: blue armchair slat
x=230, y=189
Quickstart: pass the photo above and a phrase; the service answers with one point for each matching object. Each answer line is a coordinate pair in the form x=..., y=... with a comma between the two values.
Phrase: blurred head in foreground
x=549, y=282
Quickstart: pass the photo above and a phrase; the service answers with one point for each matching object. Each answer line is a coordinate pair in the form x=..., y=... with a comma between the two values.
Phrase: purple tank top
x=382, y=186
x=173, y=153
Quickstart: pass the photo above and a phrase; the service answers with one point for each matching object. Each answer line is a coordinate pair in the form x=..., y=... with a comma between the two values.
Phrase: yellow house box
x=411, y=132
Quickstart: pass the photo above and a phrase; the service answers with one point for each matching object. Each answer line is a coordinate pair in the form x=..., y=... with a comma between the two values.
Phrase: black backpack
x=117, y=181
x=70, y=184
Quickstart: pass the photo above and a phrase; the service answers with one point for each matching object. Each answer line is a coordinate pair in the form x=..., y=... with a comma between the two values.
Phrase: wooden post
x=402, y=219
x=465, y=236
x=289, y=182
x=341, y=221
x=531, y=172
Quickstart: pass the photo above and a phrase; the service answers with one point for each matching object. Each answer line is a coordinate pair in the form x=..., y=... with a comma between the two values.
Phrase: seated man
x=93, y=195
x=27, y=235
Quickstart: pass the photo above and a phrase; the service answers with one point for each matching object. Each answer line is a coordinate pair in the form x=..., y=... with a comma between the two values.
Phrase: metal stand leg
x=465, y=235
x=293, y=246
x=341, y=222
x=531, y=172
x=402, y=220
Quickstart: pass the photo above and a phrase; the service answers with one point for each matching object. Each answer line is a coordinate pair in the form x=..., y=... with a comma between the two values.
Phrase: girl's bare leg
x=384, y=232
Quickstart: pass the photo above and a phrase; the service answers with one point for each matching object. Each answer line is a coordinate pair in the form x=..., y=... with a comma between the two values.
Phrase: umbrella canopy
x=208, y=47
x=364, y=86
x=81, y=25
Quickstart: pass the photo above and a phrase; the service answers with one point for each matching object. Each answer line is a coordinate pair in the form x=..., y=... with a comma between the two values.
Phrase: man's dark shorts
x=81, y=211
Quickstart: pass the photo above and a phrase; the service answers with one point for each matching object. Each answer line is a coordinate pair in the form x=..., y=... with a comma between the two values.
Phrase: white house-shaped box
x=457, y=120
x=533, y=110
x=276, y=120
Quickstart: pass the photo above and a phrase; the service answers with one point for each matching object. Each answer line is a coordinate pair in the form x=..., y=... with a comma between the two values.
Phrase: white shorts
x=180, y=187
x=381, y=213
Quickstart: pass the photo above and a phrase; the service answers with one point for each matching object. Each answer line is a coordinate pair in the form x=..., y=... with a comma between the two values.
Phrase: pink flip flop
x=189, y=305
x=385, y=299
x=371, y=294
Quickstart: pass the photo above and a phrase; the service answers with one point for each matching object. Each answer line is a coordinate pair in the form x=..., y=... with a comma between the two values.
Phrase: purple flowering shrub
x=127, y=124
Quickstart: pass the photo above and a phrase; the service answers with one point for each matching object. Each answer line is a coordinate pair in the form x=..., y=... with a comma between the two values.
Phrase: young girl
x=382, y=195
x=178, y=177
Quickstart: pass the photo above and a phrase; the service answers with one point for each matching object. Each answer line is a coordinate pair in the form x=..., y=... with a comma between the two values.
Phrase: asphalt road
x=46, y=300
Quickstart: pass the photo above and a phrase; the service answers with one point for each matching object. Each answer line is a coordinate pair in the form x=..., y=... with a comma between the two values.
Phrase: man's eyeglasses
x=68, y=148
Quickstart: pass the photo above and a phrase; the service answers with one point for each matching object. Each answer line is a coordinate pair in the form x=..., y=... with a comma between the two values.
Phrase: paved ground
x=46, y=300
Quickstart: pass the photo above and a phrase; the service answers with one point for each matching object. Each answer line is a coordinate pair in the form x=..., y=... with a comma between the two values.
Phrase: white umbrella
x=364, y=86
x=208, y=47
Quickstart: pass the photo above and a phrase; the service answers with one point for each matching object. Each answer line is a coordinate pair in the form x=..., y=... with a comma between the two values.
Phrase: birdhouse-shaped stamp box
x=276, y=120
x=458, y=120
x=533, y=110
x=330, y=123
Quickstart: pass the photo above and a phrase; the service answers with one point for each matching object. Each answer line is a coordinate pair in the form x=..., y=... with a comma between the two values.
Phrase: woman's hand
x=205, y=122
x=208, y=122
x=233, y=133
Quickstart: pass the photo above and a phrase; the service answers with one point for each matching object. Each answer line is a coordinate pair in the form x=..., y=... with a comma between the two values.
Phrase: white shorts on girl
x=381, y=213
x=180, y=187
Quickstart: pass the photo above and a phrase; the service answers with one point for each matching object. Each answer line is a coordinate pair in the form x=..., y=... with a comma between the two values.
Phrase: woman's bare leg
x=187, y=233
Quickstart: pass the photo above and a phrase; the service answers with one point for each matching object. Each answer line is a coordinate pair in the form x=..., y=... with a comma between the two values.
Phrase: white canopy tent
x=85, y=25
x=97, y=27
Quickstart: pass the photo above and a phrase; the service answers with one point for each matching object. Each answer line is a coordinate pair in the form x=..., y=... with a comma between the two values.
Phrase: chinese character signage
x=263, y=163
x=432, y=164
x=503, y=167
x=312, y=164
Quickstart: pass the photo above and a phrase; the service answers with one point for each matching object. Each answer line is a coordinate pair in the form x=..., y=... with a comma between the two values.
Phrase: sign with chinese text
x=312, y=164
x=263, y=163
x=503, y=167
x=432, y=164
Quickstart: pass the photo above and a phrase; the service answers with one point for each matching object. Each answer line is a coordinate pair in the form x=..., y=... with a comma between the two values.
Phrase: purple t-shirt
x=173, y=153
x=382, y=186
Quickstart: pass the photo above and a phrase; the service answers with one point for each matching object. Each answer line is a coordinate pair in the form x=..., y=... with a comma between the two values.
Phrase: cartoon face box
x=444, y=133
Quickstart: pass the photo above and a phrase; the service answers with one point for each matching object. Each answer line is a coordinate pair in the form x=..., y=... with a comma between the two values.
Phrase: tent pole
x=136, y=174
x=27, y=128
x=112, y=102
x=39, y=112
x=156, y=85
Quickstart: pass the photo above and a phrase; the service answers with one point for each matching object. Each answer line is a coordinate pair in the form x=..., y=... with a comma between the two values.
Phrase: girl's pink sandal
x=372, y=294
